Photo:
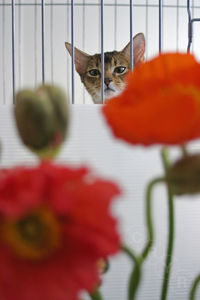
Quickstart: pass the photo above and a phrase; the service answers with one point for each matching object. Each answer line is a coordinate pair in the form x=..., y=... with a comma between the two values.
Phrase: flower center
x=35, y=236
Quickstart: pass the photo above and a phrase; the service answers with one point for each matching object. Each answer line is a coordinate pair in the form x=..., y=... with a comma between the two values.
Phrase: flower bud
x=184, y=176
x=42, y=119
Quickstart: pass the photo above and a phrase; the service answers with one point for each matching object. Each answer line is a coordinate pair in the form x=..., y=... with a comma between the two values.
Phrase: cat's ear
x=80, y=58
x=138, y=49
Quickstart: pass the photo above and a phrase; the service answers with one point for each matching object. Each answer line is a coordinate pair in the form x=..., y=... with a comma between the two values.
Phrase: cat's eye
x=94, y=72
x=119, y=70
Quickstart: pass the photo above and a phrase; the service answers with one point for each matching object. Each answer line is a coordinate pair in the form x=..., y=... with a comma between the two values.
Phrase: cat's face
x=116, y=66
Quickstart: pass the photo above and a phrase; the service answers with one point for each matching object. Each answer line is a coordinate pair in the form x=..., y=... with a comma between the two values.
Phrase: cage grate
x=46, y=68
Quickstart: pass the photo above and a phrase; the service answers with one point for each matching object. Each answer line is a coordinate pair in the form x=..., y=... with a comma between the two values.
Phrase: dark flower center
x=32, y=228
x=35, y=236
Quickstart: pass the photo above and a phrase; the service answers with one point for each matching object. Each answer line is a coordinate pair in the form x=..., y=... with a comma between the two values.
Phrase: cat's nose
x=107, y=81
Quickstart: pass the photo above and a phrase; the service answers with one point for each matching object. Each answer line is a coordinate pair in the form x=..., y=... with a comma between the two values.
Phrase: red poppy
x=55, y=225
x=161, y=103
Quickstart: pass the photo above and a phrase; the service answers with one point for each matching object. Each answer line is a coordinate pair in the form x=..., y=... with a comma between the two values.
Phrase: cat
x=116, y=63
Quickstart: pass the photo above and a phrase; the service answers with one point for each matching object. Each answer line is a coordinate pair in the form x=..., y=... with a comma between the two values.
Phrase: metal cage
x=153, y=12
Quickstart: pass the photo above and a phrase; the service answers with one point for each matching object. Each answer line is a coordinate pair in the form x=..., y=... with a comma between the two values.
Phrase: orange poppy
x=161, y=103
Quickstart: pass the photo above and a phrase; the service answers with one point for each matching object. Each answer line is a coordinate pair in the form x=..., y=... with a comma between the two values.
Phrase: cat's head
x=117, y=65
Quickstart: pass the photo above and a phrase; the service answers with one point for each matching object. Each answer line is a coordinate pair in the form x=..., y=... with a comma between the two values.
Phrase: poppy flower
x=161, y=102
x=55, y=226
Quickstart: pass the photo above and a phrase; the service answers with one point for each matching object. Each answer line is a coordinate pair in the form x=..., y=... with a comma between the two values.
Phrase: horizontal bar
x=96, y=4
x=195, y=20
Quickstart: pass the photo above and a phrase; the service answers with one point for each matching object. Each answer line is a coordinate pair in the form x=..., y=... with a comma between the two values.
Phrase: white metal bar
x=115, y=25
x=43, y=40
x=147, y=26
x=35, y=41
x=3, y=54
x=72, y=42
x=99, y=33
x=20, y=44
x=67, y=39
x=51, y=40
x=160, y=26
x=83, y=35
x=102, y=50
x=190, y=31
x=13, y=49
x=177, y=25
x=105, y=4
x=131, y=34
x=192, y=7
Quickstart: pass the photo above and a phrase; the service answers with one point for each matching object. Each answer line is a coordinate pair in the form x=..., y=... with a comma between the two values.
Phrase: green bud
x=184, y=176
x=42, y=119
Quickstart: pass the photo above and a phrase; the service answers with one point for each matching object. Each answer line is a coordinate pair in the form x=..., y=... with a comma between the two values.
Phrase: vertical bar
x=13, y=49
x=51, y=40
x=192, y=24
x=131, y=33
x=146, y=31
x=20, y=42
x=160, y=26
x=3, y=53
x=72, y=42
x=177, y=25
x=99, y=11
x=190, y=33
x=102, y=51
x=115, y=26
x=83, y=32
x=43, y=40
x=35, y=40
x=83, y=35
x=67, y=39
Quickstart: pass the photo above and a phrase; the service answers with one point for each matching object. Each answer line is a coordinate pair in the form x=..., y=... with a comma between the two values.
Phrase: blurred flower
x=161, y=103
x=55, y=226
x=183, y=177
x=42, y=119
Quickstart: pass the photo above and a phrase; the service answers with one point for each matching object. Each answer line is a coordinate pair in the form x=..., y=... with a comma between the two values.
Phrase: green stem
x=96, y=295
x=150, y=240
x=167, y=270
x=130, y=253
x=134, y=281
x=194, y=288
x=135, y=274
x=165, y=159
